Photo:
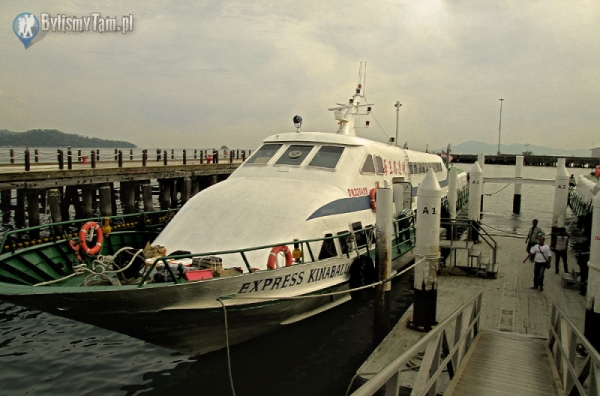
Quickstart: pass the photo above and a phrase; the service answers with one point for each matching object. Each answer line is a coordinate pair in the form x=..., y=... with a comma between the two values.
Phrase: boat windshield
x=327, y=157
x=264, y=154
x=294, y=155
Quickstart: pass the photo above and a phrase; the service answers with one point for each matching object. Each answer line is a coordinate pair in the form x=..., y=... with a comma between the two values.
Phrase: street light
x=500, y=125
x=397, y=106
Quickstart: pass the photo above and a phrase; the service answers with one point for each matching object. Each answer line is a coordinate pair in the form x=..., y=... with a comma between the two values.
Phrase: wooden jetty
x=508, y=309
x=119, y=184
x=528, y=160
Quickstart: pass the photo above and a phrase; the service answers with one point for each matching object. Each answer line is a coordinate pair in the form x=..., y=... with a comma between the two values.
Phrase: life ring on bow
x=597, y=172
x=373, y=198
x=272, y=262
x=83, y=233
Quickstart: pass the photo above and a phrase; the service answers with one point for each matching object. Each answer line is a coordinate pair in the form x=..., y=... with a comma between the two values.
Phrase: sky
x=216, y=72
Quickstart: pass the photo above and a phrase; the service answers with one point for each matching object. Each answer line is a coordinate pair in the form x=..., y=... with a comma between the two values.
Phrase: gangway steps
x=502, y=363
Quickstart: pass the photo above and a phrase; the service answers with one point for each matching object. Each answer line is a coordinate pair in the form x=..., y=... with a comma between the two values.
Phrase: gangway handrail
x=437, y=346
x=471, y=229
x=564, y=339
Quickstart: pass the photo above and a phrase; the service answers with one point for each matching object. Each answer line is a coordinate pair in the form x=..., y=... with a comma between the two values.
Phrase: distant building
x=595, y=152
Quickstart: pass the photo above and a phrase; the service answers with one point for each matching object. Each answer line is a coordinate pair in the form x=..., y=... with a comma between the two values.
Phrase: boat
x=285, y=237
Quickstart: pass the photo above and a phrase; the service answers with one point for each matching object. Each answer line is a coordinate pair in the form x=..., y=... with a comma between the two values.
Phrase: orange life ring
x=90, y=225
x=373, y=198
x=597, y=172
x=271, y=263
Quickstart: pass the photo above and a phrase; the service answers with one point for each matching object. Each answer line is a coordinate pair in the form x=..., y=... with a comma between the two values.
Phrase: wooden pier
x=114, y=185
x=508, y=305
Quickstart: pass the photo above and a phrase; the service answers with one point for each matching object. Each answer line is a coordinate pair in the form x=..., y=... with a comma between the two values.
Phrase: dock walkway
x=508, y=305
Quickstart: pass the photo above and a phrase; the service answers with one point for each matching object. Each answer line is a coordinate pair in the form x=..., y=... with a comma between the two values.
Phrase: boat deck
x=508, y=304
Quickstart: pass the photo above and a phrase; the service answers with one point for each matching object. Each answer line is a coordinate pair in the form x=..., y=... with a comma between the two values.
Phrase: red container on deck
x=198, y=275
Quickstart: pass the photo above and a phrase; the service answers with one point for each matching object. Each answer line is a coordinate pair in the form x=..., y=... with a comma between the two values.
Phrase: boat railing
x=566, y=343
x=442, y=350
x=14, y=240
x=303, y=251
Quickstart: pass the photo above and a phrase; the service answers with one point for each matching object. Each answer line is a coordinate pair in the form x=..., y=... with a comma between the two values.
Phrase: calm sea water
x=45, y=355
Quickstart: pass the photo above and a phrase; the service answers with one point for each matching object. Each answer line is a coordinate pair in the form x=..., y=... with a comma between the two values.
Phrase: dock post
x=383, y=261
x=105, y=201
x=97, y=154
x=27, y=160
x=144, y=157
x=87, y=198
x=54, y=203
x=120, y=158
x=157, y=155
x=69, y=158
x=164, y=197
x=130, y=154
x=172, y=154
x=12, y=156
x=61, y=159
x=186, y=190
x=33, y=212
x=20, y=209
x=116, y=154
x=452, y=193
x=518, y=175
x=592, y=312
x=201, y=156
x=78, y=155
x=93, y=157
x=184, y=157
x=427, y=251
x=481, y=160
x=36, y=154
x=5, y=200
x=195, y=186
x=147, y=196
x=475, y=187
x=127, y=196
x=165, y=158
x=561, y=200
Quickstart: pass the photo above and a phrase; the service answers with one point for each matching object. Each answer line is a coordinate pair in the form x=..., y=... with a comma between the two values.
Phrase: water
x=45, y=355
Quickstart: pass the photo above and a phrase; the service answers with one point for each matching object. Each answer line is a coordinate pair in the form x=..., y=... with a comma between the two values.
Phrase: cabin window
x=379, y=163
x=264, y=154
x=327, y=248
x=327, y=157
x=361, y=238
x=294, y=155
x=344, y=241
x=368, y=166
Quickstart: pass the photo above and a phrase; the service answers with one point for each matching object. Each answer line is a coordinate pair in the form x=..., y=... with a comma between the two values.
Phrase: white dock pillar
x=452, y=192
x=592, y=313
x=481, y=160
x=429, y=202
x=475, y=188
x=383, y=261
x=518, y=175
x=561, y=198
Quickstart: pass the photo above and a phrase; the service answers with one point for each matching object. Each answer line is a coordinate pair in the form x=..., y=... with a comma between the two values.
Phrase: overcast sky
x=211, y=73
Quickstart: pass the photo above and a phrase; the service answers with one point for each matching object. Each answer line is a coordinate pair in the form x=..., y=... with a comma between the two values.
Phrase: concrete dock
x=508, y=303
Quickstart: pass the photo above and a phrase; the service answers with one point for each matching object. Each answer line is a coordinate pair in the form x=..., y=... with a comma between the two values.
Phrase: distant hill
x=473, y=147
x=55, y=138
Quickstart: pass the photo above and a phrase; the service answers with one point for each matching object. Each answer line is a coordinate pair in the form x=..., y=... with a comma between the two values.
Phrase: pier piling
x=475, y=188
x=592, y=313
x=561, y=198
x=87, y=199
x=105, y=201
x=33, y=211
x=54, y=203
x=518, y=175
x=427, y=253
x=147, y=196
x=383, y=262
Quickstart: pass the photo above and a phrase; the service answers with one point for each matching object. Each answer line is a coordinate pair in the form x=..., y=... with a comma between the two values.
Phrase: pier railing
x=462, y=233
x=566, y=342
x=443, y=350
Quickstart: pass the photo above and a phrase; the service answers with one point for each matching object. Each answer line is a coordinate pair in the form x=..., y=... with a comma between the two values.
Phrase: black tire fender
x=362, y=272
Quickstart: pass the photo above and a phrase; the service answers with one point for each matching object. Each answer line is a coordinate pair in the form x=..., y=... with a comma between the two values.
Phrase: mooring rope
x=490, y=194
x=103, y=263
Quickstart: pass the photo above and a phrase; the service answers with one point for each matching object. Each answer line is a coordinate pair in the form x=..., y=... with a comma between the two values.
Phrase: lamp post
x=500, y=125
x=397, y=106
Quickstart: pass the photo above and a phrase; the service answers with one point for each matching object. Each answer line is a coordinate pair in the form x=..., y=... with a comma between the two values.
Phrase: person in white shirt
x=543, y=259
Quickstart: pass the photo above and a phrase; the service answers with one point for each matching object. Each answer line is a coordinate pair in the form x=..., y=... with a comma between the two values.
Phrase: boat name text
x=289, y=280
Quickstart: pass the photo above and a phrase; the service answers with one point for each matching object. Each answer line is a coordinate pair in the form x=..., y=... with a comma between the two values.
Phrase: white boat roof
x=317, y=137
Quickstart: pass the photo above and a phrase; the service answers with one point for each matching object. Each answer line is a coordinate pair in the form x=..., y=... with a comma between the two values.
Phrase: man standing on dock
x=543, y=260
x=534, y=233
x=562, y=242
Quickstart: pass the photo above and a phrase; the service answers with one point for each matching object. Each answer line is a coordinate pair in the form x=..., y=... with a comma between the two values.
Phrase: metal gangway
x=457, y=358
